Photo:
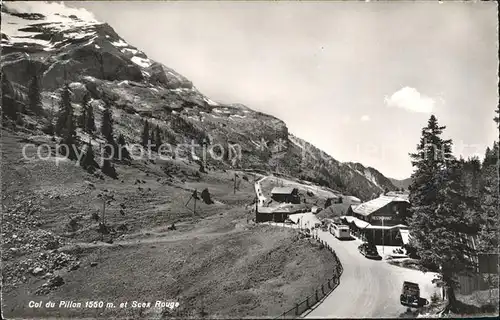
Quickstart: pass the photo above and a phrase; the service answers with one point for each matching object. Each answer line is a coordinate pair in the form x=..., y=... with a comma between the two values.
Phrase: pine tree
x=107, y=167
x=125, y=155
x=90, y=122
x=152, y=139
x=88, y=161
x=157, y=140
x=432, y=153
x=35, y=99
x=490, y=199
x=107, y=131
x=145, y=134
x=68, y=143
x=107, y=124
x=65, y=109
x=441, y=212
x=82, y=120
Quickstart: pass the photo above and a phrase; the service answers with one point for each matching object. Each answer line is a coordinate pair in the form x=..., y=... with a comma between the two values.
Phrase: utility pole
x=194, y=208
x=104, y=210
x=194, y=196
x=234, y=184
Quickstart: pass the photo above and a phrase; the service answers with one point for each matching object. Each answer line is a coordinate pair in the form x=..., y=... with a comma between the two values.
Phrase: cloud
x=49, y=9
x=365, y=118
x=411, y=100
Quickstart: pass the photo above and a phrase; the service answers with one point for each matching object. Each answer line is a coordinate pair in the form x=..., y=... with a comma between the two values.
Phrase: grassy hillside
x=215, y=261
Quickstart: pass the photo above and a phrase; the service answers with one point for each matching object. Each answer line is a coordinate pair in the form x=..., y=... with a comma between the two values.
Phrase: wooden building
x=265, y=214
x=285, y=194
x=379, y=220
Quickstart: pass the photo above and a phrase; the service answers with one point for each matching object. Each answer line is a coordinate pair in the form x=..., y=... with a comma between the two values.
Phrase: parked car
x=410, y=295
x=369, y=250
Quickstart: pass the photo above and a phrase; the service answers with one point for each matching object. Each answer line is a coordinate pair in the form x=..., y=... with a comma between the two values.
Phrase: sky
x=358, y=80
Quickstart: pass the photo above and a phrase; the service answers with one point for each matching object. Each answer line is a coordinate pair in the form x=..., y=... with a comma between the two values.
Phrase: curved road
x=368, y=288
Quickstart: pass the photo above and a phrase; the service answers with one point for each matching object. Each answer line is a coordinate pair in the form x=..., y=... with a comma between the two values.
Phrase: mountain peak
x=69, y=46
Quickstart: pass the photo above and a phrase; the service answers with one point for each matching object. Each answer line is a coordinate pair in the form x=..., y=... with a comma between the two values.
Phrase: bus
x=340, y=231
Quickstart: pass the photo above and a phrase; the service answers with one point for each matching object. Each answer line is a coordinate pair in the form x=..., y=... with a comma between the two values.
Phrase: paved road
x=368, y=288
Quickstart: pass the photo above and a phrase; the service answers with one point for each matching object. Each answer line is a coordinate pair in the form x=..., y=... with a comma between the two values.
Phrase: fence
x=320, y=293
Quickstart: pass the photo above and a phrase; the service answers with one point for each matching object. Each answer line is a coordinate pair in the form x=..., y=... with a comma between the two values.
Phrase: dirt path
x=155, y=238
x=259, y=193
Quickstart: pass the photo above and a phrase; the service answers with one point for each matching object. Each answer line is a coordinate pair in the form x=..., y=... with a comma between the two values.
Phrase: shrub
x=435, y=298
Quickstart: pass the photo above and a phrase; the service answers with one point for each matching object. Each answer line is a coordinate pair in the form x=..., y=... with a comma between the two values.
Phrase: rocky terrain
x=405, y=183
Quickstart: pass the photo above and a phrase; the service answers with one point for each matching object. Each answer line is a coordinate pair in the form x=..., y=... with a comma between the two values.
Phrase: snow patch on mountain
x=120, y=43
x=132, y=51
x=145, y=63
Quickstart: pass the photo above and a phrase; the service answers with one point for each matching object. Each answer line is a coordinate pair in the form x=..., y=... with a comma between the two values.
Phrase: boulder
x=36, y=271
x=56, y=281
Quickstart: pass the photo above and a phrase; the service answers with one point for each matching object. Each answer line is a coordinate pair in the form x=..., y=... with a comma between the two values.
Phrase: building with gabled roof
x=285, y=194
x=380, y=220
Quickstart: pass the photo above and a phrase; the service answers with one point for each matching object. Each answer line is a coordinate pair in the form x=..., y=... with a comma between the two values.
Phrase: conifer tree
x=152, y=139
x=107, y=167
x=157, y=140
x=107, y=131
x=65, y=109
x=68, y=143
x=490, y=199
x=82, y=120
x=88, y=161
x=145, y=134
x=441, y=213
x=89, y=121
x=125, y=155
x=35, y=99
x=107, y=124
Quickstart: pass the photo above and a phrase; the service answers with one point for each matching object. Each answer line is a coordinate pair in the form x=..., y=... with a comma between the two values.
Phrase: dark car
x=369, y=251
x=410, y=295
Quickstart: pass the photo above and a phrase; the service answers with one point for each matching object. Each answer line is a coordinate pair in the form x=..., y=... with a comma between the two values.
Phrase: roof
x=307, y=219
x=395, y=194
x=359, y=223
x=283, y=190
x=352, y=198
x=371, y=206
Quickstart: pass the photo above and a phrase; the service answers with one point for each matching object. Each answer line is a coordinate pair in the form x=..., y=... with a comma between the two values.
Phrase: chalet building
x=285, y=194
x=380, y=220
x=265, y=214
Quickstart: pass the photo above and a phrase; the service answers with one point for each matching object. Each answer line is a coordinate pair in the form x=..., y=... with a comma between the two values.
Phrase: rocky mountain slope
x=405, y=183
x=62, y=48
x=373, y=175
